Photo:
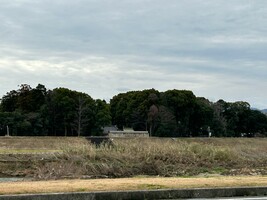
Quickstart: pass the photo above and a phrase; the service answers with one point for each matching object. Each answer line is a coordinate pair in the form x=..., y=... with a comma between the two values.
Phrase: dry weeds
x=128, y=184
x=57, y=158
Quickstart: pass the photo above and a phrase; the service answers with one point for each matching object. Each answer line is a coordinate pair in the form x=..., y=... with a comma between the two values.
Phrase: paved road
x=236, y=198
x=245, y=198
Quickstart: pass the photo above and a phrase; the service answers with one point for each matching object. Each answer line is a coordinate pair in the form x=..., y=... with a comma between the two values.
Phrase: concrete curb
x=146, y=194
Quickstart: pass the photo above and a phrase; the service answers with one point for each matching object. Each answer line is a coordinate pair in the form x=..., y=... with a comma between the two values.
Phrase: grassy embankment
x=54, y=158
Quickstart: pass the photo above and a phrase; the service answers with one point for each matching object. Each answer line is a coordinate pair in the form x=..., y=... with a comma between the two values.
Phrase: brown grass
x=55, y=158
x=128, y=184
x=37, y=143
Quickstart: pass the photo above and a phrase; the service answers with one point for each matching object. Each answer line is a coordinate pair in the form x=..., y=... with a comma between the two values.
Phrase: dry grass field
x=138, y=183
x=49, y=158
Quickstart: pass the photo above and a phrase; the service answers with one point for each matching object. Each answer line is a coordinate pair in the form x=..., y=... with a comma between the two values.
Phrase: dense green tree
x=202, y=117
x=166, y=125
x=153, y=116
x=219, y=122
x=64, y=110
x=118, y=105
x=23, y=106
x=182, y=103
x=70, y=112
x=102, y=116
x=54, y=112
x=9, y=101
x=257, y=123
x=173, y=113
x=25, y=99
x=131, y=109
x=17, y=123
x=83, y=109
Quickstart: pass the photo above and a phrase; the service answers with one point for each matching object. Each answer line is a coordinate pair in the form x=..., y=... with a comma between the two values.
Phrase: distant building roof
x=107, y=129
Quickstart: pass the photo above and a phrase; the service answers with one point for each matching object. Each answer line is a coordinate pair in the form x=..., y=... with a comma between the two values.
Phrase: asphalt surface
x=186, y=194
x=236, y=198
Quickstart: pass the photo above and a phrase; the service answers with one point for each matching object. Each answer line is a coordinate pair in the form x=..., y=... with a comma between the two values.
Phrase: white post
x=7, y=131
x=209, y=131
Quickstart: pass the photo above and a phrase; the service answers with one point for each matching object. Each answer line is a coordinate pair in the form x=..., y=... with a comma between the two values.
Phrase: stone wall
x=128, y=134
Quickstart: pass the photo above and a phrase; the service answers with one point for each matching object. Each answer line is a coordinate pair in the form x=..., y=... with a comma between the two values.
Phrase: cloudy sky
x=216, y=48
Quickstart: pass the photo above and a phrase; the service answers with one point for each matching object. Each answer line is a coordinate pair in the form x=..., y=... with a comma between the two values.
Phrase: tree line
x=173, y=113
x=58, y=112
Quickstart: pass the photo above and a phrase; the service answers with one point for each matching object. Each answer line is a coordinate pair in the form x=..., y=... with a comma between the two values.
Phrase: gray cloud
x=214, y=47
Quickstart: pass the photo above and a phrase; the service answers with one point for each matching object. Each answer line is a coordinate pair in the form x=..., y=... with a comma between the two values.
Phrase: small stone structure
x=112, y=131
x=128, y=133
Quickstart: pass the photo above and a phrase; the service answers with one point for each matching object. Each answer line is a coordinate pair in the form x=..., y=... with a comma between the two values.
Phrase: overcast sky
x=216, y=48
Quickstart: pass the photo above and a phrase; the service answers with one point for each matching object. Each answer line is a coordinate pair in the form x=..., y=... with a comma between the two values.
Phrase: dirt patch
x=129, y=184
